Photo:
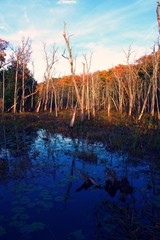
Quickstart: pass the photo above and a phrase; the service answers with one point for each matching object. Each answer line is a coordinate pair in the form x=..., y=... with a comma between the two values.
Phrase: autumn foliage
x=133, y=89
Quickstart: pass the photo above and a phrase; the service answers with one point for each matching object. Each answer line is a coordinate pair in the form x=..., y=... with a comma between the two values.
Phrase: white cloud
x=26, y=18
x=3, y=24
x=105, y=58
x=107, y=34
x=2, y=27
x=32, y=32
x=66, y=1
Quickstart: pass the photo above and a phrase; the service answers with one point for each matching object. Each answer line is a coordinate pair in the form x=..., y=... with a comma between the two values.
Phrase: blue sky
x=106, y=28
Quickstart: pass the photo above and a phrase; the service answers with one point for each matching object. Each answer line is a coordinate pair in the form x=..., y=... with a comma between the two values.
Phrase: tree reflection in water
x=57, y=187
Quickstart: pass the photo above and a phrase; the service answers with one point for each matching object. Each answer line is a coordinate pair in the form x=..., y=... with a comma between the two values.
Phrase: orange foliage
x=106, y=75
x=120, y=69
x=67, y=80
x=146, y=59
x=39, y=87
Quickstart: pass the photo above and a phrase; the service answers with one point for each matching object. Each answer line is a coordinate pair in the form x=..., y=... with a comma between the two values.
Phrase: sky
x=106, y=29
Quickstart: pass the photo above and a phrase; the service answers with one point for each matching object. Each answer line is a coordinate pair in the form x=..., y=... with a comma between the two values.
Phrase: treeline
x=133, y=88
x=17, y=84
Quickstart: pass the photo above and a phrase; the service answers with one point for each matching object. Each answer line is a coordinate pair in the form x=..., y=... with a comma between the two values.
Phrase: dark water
x=54, y=188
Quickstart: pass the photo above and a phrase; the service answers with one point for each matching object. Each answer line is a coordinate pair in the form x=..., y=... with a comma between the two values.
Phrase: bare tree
x=24, y=58
x=14, y=58
x=83, y=91
x=3, y=46
x=3, y=88
x=19, y=58
x=32, y=86
x=120, y=90
x=15, y=85
x=72, y=69
x=153, y=85
x=88, y=86
x=130, y=82
x=93, y=96
x=40, y=97
x=154, y=97
x=50, y=59
x=54, y=90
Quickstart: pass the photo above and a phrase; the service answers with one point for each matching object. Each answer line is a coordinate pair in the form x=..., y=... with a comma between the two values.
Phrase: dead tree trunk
x=15, y=87
x=88, y=66
x=3, y=90
x=50, y=62
x=70, y=59
x=146, y=97
x=93, y=97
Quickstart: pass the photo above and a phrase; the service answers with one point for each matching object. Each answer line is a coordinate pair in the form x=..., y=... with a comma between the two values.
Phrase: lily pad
x=24, y=200
x=73, y=177
x=26, y=229
x=109, y=228
x=18, y=209
x=63, y=183
x=44, y=192
x=2, y=231
x=17, y=224
x=157, y=199
x=48, y=206
x=19, y=216
x=2, y=218
x=59, y=199
x=78, y=235
x=47, y=197
x=31, y=204
x=36, y=226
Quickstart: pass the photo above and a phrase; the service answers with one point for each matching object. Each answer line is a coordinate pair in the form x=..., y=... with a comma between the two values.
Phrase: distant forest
x=133, y=88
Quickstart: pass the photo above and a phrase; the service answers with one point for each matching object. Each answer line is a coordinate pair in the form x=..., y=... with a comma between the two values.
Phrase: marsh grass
x=118, y=132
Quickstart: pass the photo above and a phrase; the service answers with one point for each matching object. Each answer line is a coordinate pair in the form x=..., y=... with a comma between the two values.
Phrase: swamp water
x=60, y=188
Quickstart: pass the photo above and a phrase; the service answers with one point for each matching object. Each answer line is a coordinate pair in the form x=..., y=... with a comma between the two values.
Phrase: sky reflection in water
x=56, y=187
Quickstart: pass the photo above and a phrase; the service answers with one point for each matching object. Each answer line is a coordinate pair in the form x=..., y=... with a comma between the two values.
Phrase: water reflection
x=57, y=187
